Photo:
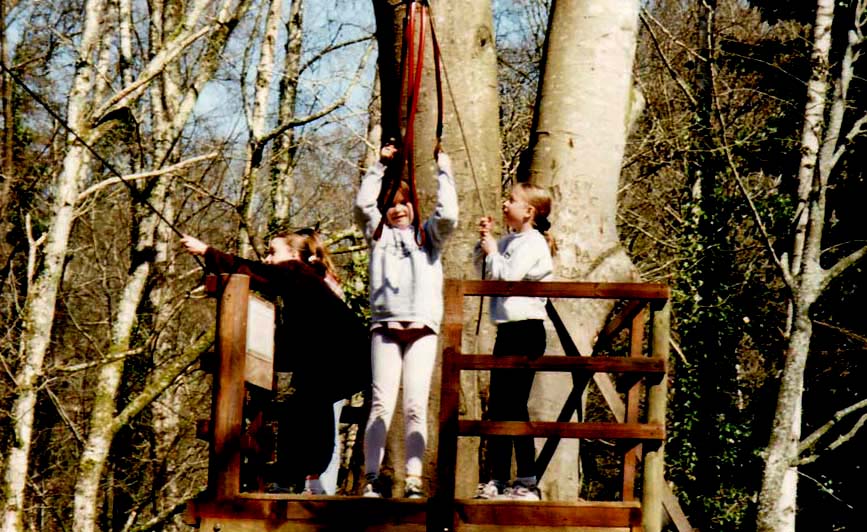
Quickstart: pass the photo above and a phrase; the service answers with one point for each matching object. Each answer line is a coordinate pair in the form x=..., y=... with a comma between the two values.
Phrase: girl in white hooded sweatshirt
x=406, y=305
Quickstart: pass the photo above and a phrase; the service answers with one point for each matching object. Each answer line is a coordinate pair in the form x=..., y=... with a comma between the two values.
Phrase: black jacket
x=318, y=337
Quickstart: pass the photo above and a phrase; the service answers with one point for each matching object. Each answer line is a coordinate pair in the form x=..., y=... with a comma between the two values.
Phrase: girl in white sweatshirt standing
x=524, y=254
x=406, y=305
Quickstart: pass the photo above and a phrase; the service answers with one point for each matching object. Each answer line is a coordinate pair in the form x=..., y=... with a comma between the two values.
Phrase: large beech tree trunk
x=577, y=143
x=472, y=139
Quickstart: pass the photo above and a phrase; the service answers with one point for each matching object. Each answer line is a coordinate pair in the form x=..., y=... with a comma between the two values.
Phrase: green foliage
x=355, y=285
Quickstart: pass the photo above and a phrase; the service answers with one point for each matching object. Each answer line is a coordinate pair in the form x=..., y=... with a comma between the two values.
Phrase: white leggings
x=388, y=360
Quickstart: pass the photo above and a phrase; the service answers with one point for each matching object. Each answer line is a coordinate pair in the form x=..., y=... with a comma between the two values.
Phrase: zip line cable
x=133, y=191
x=457, y=116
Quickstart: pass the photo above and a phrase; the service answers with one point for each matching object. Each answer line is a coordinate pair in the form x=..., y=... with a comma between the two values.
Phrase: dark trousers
x=509, y=393
x=305, y=435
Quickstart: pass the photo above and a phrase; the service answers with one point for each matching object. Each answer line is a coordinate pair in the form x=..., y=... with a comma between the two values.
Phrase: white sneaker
x=371, y=491
x=372, y=486
x=312, y=486
x=520, y=492
x=490, y=490
x=413, y=489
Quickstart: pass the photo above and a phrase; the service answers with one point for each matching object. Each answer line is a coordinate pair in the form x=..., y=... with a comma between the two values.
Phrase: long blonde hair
x=313, y=252
x=540, y=199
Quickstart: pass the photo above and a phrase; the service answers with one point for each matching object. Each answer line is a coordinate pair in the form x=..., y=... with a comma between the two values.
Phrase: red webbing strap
x=411, y=69
x=392, y=177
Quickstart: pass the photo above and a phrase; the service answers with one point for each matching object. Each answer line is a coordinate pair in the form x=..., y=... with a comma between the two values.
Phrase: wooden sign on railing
x=259, y=367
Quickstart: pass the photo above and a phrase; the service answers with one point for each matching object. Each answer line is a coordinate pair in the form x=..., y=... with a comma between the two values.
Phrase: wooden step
x=548, y=429
x=549, y=513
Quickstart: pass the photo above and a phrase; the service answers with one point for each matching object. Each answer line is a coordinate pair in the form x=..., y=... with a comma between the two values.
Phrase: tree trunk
x=472, y=139
x=168, y=123
x=6, y=139
x=577, y=144
x=777, y=505
x=256, y=124
x=39, y=308
x=283, y=166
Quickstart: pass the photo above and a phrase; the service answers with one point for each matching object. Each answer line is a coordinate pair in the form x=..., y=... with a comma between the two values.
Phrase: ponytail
x=540, y=200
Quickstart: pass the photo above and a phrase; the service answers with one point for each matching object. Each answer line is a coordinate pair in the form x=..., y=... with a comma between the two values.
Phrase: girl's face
x=517, y=213
x=400, y=215
x=280, y=251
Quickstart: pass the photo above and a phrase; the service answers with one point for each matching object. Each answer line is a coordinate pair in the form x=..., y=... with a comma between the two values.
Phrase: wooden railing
x=639, y=438
x=227, y=506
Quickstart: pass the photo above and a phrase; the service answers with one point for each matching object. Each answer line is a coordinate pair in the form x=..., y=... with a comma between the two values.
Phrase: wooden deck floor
x=285, y=513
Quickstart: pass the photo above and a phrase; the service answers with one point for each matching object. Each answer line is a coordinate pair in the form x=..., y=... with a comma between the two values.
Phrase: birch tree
x=39, y=307
x=262, y=132
x=173, y=104
x=823, y=142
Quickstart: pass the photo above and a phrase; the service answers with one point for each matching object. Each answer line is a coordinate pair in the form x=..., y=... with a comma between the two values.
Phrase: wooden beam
x=550, y=514
x=633, y=455
x=601, y=364
x=442, y=509
x=657, y=398
x=645, y=291
x=542, y=429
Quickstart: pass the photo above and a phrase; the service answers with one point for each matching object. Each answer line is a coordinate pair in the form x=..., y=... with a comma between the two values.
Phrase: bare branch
x=841, y=266
x=810, y=442
x=144, y=175
x=331, y=48
x=296, y=122
x=680, y=82
x=163, y=378
x=168, y=54
x=646, y=14
x=104, y=360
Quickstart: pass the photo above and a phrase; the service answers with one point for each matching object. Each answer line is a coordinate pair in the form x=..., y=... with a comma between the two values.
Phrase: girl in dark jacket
x=319, y=339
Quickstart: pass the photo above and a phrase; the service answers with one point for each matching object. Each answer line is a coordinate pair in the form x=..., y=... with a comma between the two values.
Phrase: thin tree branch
x=810, y=442
x=331, y=48
x=104, y=360
x=143, y=175
x=766, y=238
x=680, y=83
x=163, y=378
x=645, y=13
x=841, y=266
x=296, y=122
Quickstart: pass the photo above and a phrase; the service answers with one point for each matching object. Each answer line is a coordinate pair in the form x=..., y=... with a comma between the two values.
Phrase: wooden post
x=657, y=396
x=224, y=473
x=442, y=510
x=632, y=455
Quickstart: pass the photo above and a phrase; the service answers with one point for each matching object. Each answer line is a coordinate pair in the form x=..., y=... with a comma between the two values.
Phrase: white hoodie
x=406, y=280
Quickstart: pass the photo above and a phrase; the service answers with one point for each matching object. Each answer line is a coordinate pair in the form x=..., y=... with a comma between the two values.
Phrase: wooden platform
x=639, y=435
x=285, y=513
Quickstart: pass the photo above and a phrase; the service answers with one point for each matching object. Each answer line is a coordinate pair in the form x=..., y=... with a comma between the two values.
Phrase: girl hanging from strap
x=406, y=305
x=406, y=274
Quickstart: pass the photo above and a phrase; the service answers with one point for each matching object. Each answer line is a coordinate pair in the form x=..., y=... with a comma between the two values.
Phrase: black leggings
x=509, y=393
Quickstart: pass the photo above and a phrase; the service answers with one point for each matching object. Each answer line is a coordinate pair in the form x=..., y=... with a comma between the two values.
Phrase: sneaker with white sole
x=493, y=489
x=371, y=488
x=312, y=486
x=520, y=492
x=413, y=489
